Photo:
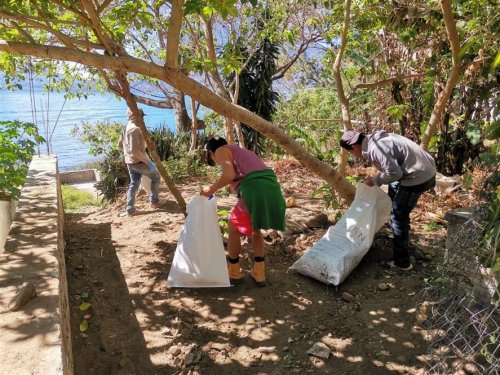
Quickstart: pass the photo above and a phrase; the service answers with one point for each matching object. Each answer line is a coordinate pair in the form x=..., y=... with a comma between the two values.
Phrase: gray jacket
x=398, y=159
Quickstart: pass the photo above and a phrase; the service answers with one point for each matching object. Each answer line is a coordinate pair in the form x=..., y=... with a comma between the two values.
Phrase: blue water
x=72, y=154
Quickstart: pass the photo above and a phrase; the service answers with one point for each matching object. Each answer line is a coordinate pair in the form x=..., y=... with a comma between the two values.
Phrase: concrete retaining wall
x=7, y=212
x=81, y=176
x=36, y=339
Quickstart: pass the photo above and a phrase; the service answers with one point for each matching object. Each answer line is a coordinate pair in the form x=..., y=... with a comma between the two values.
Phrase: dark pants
x=404, y=199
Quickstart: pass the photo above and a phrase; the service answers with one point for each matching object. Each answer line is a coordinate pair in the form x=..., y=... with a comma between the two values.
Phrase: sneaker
x=134, y=213
x=390, y=264
x=156, y=205
x=258, y=273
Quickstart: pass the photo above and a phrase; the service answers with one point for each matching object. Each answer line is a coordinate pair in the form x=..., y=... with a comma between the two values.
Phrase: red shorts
x=241, y=220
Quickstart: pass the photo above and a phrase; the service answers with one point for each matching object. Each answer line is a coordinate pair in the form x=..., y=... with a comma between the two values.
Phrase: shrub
x=17, y=147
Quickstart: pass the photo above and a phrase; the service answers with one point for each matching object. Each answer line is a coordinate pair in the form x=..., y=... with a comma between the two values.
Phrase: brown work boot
x=234, y=271
x=258, y=273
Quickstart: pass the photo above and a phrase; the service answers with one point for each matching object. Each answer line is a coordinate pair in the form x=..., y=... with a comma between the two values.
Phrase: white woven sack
x=199, y=259
x=343, y=246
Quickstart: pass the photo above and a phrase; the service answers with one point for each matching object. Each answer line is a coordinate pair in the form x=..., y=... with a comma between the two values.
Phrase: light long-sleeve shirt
x=397, y=159
x=133, y=144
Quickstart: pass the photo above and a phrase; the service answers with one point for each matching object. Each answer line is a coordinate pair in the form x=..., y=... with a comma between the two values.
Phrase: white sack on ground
x=343, y=246
x=199, y=259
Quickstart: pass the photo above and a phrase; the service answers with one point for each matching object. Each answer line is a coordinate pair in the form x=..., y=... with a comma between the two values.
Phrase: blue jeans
x=136, y=171
x=404, y=199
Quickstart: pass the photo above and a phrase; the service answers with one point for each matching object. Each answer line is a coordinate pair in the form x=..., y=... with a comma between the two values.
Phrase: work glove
x=151, y=167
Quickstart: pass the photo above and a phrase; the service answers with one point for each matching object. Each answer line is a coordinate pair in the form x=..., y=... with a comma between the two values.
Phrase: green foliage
x=223, y=215
x=397, y=111
x=101, y=136
x=318, y=143
x=181, y=163
x=74, y=200
x=432, y=226
x=17, y=147
x=114, y=174
x=309, y=104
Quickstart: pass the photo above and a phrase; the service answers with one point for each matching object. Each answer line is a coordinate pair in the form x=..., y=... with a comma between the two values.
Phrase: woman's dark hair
x=212, y=144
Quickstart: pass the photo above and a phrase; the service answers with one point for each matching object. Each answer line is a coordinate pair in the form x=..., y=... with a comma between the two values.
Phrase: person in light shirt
x=138, y=164
x=408, y=170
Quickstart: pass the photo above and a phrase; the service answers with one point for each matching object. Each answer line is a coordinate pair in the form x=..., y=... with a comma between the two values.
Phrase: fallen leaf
x=85, y=306
x=84, y=325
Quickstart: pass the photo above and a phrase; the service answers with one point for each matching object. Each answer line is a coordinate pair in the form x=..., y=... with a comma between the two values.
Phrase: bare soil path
x=139, y=326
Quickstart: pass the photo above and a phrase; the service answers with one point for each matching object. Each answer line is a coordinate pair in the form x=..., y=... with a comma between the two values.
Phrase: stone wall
x=36, y=338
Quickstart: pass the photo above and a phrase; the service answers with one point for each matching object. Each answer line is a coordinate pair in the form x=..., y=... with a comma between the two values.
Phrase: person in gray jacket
x=408, y=170
x=138, y=164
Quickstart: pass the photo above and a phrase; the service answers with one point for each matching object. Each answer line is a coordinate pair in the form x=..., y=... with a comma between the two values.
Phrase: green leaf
x=493, y=130
x=84, y=325
x=84, y=306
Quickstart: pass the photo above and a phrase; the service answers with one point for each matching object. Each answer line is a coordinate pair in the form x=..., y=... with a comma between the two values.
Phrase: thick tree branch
x=200, y=93
x=173, y=34
x=103, y=6
x=101, y=34
x=344, y=102
x=456, y=67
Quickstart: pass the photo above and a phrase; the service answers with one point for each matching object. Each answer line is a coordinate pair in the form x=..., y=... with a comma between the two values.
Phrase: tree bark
x=456, y=67
x=344, y=102
x=182, y=120
x=194, y=89
x=194, y=128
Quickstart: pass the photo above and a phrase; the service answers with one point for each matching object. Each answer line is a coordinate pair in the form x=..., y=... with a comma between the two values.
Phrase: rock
x=174, y=350
x=218, y=346
x=317, y=221
x=320, y=350
x=382, y=286
x=293, y=227
x=290, y=340
x=24, y=294
x=347, y=297
x=266, y=349
x=285, y=348
x=193, y=357
x=290, y=202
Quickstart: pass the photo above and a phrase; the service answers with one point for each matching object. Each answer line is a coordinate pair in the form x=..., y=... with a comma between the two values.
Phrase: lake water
x=72, y=154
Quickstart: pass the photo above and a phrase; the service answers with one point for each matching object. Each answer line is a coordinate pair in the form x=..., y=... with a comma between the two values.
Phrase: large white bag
x=199, y=259
x=343, y=246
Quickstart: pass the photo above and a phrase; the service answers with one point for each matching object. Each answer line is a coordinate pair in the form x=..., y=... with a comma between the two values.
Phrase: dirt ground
x=137, y=325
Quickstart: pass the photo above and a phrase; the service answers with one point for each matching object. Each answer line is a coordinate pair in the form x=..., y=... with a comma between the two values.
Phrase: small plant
x=431, y=226
x=223, y=222
x=17, y=147
x=74, y=199
x=114, y=175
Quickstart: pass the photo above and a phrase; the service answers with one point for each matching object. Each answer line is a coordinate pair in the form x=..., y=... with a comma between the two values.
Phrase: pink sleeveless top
x=245, y=162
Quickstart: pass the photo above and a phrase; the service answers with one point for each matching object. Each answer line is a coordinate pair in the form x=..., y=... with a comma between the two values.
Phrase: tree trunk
x=344, y=102
x=456, y=67
x=194, y=128
x=182, y=120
